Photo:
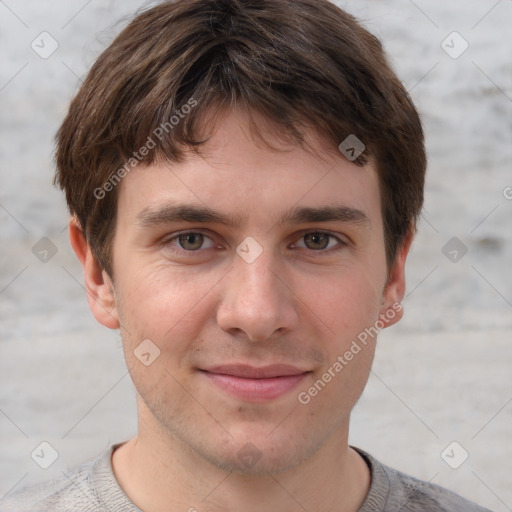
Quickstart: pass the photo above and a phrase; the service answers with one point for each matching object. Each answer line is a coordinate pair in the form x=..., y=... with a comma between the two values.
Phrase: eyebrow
x=169, y=213
x=337, y=213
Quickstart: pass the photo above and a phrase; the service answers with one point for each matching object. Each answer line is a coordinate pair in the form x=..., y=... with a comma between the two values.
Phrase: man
x=244, y=180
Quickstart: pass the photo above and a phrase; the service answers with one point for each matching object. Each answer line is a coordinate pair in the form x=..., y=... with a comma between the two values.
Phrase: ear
x=391, y=309
x=98, y=285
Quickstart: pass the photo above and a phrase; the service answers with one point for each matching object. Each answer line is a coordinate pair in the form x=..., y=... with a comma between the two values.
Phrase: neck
x=159, y=473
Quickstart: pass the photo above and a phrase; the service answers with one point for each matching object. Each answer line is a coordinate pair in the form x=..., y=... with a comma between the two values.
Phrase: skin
x=302, y=301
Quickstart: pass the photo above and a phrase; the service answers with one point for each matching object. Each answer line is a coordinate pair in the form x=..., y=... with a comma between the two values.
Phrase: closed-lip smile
x=257, y=384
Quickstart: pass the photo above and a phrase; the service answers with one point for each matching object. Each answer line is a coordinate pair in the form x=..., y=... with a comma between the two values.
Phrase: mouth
x=255, y=384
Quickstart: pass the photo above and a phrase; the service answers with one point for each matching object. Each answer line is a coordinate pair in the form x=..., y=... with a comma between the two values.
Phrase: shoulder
x=90, y=487
x=392, y=490
x=418, y=495
x=70, y=492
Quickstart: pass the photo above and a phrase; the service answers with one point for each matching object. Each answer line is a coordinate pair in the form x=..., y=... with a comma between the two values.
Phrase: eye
x=320, y=241
x=190, y=241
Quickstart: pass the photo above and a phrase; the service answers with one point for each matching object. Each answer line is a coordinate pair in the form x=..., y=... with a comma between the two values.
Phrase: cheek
x=348, y=309
x=346, y=302
x=168, y=307
x=161, y=300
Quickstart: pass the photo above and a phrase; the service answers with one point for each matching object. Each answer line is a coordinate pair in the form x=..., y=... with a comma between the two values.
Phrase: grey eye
x=191, y=241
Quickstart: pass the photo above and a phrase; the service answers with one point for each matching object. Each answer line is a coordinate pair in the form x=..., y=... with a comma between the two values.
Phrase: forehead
x=238, y=174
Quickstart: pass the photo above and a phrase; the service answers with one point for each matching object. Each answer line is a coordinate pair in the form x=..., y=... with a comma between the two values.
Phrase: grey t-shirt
x=92, y=487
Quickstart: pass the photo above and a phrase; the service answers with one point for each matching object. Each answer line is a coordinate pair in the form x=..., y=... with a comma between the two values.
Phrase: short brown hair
x=299, y=63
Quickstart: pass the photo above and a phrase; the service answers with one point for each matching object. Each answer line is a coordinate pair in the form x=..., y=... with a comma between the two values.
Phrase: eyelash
x=341, y=244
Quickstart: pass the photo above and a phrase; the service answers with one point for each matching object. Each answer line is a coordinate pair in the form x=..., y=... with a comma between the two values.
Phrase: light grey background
x=442, y=374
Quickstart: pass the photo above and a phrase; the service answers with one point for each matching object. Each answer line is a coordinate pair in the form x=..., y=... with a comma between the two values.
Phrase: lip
x=255, y=384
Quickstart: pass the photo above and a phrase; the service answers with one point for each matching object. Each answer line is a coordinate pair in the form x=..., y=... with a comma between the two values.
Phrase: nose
x=257, y=300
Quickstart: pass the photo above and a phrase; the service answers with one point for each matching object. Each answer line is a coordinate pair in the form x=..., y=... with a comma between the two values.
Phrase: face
x=252, y=272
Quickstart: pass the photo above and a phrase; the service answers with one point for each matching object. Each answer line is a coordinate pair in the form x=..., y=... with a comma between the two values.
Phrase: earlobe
x=98, y=285
x=391, y=310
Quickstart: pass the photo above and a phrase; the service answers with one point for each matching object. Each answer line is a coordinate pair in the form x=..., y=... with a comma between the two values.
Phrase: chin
x=262, y=454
